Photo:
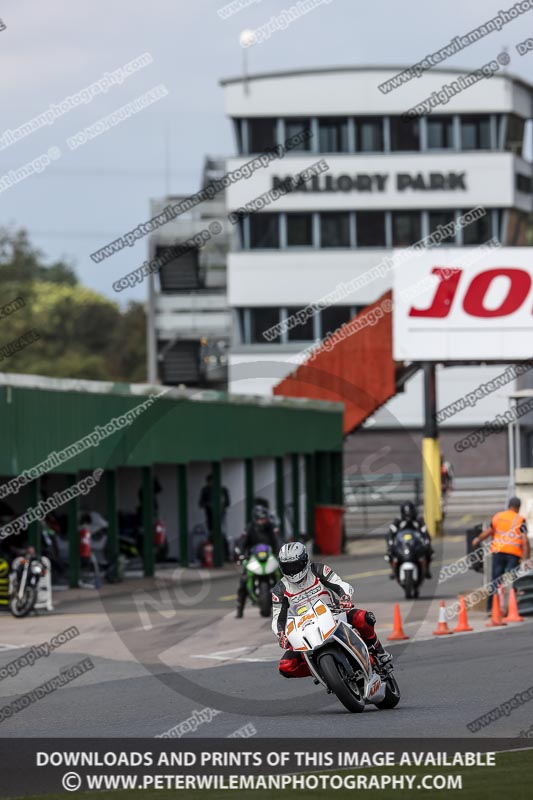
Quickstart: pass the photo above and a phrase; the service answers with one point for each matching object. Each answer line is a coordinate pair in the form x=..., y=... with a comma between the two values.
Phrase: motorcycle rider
x=259, y=531
x=409, y=519
x=312, y=580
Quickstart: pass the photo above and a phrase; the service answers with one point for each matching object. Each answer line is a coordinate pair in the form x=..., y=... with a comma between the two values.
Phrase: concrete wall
x=369, y=452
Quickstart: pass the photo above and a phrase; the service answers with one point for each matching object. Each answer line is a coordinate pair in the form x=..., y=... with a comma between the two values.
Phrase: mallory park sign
x=375, y=182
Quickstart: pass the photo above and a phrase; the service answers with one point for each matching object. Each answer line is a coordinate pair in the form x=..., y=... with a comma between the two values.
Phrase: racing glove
x=345, y=602
x=283, y=641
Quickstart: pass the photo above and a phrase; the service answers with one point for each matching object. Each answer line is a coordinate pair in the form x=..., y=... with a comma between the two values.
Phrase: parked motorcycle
x=26, y=572
x=338, y=658
x=408, y=561
x=262, y=574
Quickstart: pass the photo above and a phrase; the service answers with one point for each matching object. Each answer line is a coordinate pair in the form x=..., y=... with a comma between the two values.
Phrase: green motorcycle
x=262, y=574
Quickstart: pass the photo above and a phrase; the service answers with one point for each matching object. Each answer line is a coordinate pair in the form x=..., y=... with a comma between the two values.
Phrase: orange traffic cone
x=462, y=621
x=442, y=627
x=496, y=618
x=398, y=632
x=512, y=612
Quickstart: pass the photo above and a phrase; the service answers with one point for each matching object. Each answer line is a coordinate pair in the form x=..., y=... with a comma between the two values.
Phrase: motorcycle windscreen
x=309, y=624
x=351, y=642
x=410, y=542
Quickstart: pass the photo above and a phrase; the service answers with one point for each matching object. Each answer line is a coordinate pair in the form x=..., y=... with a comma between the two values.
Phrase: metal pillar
x=112, y=518
x=310, y=494
x=73, y=537
x=280, y=496
x=218, y=547
x=337, y=473
x=33, y=494
x=183, y=514
x=295, y=476
x=148, y=520
x=151, y=340
x=249, y=488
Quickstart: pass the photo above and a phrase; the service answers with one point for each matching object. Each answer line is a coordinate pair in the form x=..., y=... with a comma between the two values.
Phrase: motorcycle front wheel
x=265, y=599
x=336, y=679
x=409, y=586
x=21, y=607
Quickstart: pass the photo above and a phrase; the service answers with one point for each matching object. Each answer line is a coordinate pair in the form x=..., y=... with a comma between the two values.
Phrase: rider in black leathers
x=259, y=531
x=410, y=520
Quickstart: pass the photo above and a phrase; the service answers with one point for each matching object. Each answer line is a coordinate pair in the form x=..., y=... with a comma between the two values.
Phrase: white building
x=390, y=182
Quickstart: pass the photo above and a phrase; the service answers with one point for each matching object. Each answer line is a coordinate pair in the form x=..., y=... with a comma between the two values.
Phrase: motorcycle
x=337, y=657
x=26, y=573
x=408, y=561
x=262, y=574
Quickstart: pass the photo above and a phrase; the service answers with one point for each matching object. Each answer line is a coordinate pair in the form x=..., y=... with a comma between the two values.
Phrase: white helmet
x=294, y=561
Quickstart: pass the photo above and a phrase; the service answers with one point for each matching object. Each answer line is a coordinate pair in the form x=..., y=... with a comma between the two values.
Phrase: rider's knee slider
x=370, y=618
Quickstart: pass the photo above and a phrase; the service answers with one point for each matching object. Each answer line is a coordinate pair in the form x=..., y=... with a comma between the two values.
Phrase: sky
x=93, y=194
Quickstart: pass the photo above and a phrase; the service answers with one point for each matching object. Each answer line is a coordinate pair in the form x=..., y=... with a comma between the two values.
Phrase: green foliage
x=82, y=333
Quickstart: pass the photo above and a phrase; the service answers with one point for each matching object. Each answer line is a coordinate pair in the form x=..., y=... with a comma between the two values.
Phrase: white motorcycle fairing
x=408, y=566
x=257, y=567
x=312, y=625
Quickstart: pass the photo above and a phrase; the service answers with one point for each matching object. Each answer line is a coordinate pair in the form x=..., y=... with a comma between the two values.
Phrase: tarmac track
x=145, y=682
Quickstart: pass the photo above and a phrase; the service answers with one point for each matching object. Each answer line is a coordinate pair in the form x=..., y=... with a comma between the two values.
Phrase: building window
x=182, y=273
x=517, y=228
x=299, y=230
x=241, y=327
x=261, y=134
x=240, y=233
x=333, y=135
x=441, y=218
x=335, y=229
x=237, y=127
x=261, y=319
x=332, y=318
x=369, y=134
x=440, y=133
x=478, y=232
x=514, y=139
x=406, y=228
x=523, y=183
x=264, y=230
x=371, y=229
x=404, y=134
x=303, y=332
x=475, y=133
x=293, y=127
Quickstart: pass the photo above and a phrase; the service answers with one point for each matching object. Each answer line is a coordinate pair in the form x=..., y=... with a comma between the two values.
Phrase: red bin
x=328, y=529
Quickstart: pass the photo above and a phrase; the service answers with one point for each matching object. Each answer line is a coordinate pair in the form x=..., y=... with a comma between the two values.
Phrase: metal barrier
x=372, y=501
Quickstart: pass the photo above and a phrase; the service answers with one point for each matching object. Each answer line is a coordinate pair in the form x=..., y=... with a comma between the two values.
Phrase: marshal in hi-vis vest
x=507, y=537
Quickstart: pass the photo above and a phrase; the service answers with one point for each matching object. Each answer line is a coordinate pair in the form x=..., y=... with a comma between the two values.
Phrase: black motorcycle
x=408, y=561
x=27, y=572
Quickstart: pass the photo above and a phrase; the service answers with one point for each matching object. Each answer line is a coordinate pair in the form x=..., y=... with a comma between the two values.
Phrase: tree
x=81, y=334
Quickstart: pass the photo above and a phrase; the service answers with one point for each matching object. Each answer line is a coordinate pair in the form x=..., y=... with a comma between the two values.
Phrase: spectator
x=205, y=501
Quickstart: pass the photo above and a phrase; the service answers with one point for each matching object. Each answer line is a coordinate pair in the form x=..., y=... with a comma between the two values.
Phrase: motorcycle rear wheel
x=335, y=678
x=21, y=608
x=392, y=694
